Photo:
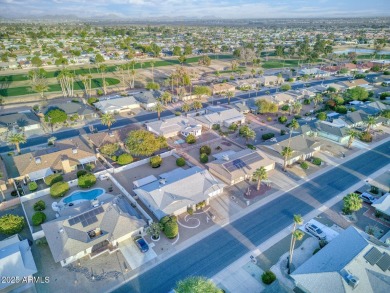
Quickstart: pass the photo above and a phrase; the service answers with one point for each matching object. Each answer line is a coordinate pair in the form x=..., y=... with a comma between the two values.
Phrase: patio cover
x=40, y=174
x=87, y=160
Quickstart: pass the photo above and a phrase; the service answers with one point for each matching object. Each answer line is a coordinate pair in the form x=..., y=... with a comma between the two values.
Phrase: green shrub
x=285, y=87
x=304, y=166
x=170, y=226
x=268, y=277
x=282, y=119
x=14, y=193
x=190, y=211
x=124, y=159
x=59, y=189
x=81, y=173
x=89, y=167
x=92, y=100
x=233, y=127
x=53, y=178
x=38, y=218
x=177, y=113
x=366, y=136
x=321, y=116
x=316, y=161
x=190, y=139
x=341, y=109
x=323, y=243
x=205, y=149
x=86, y=181
x=11, y=224
x=285, y=107
x=267, y=136
x=156, y=161
x=250, y=146
x=109, y=149
x=204, y=158
x=32, y=186
x=216, y=127
x=40, y=205
x=269, y=119
x=316, y=250
x=282, y=132
x=114, y=158
x=180, y=162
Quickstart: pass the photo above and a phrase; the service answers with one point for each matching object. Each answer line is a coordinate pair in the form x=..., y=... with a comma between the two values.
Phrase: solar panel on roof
x=71, y=221
x=384, y=262
x=84, y=223
x=76, y=220
x=373, y=256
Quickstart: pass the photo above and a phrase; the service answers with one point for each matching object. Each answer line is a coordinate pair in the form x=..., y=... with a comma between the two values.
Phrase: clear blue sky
x=198, y=8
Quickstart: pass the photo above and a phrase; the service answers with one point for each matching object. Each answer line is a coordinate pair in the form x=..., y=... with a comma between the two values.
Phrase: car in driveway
x=368, y=198
x=141, y=244
x=315, y=231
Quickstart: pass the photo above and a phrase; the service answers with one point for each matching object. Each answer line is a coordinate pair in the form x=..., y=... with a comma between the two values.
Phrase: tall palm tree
x=247, y=133
x=293, y=126
x=197, y=105
x=352, y=135
x=260, y=174
x=297, y=221
x=40, y=86
x=108, y=119
x=296, y=235
x=166, y=97
x=286, y=153
x=370, y=122
x=229, y=95
x=297, y=107
x=17, y=139
x=186, y=107
x=159, y=108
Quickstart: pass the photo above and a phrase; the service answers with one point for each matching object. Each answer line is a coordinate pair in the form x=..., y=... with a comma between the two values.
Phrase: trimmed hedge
x=304, y=166
x=191, y=139
x=81, y=173
x=38, y=218
x=32, y=186
x=204, y=158
x=11, y=224
x=86, y=181
x=156, y=161
x=267, y=136
x=170, y=226
x=59, y=189
x=180, y=162
x=268, y=277
x=316, y=161
x=205, y=149
x=282, y=119
x=53, y=178
x=40, y=205
x=124, y=159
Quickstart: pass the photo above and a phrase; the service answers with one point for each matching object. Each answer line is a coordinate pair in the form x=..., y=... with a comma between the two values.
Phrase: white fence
x=43, y=192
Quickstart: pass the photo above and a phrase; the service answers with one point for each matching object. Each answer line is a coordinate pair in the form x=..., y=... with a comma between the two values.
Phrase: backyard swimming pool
x=83, y=195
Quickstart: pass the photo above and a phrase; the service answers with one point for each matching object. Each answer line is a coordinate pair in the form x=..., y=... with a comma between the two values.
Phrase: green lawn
x=26, y=90
x=277, y=63
x=51, y=74
x=369, y=57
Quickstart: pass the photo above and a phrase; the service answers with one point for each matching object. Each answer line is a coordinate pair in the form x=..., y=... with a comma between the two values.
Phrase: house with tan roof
x=222, y=116
x=271, y=80
x=66, y=156
x=91, y=228
x=354, y=83
x=283, y=98
x=222, y=88
x=233, y=167
x=175, y=126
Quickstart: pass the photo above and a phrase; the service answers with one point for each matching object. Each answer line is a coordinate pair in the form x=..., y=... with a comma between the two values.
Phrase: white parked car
x=315, y=231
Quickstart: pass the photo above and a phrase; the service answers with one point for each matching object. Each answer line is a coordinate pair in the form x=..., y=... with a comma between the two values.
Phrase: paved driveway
x=133, y=256
x=329, y=232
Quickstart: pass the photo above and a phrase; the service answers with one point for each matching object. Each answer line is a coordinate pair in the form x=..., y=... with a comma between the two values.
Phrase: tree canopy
x=144, y=143
x=357, y=94
x=266, y=107
x=196, y=285
x=55, y=116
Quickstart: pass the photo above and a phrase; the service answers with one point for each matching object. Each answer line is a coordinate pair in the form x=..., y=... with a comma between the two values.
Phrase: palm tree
x=108, y=119
x=297, y=221
x=293, y=125
x=17, y=139
x=247, y=133
x=229, y=95
x=317, y=99
x=260, y=174
x=297, y=107
x=166, y=97
x=40, y=86
x=352, y=135
x=286, y=153
x=159, y=108
x=197, y=105
x=370, y=122
x=296, y=235
x=186, y=107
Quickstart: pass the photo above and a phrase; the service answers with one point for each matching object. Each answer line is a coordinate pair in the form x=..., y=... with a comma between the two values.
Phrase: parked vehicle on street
x=315, y=231
x=141, y=244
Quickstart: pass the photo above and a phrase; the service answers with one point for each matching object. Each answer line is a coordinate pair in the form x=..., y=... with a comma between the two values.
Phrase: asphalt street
x=215, y=252
x=127, y=121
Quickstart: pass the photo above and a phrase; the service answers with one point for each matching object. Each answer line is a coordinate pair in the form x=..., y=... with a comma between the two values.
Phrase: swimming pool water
x=83, y=195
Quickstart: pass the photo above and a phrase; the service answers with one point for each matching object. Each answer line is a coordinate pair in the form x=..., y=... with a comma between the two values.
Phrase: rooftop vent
x=162, y=181
x=225, y=158
x=352, y=280
x=61, y=230
x=37, y=160
x=74, y=150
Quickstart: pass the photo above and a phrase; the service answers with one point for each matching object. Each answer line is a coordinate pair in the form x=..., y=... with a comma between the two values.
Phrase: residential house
x=176, y=191
x=352, y=262
x=382, y=205
x=91, y=228
x=148, y=99
x=184, y=94
x=339, y=87
x=22, y=121
x=118, y=104
x=72, y=109
x=316, y=72
x=66, y=156
x=375, y=80
x=234, y=167
x=332, y=131
x=3, y=176
x=222, y=88
x=283, y=98
x=98, y=139
x=303, y=147
x=242, y=107
x=373, y=108
x=16, y=263
x=223, y=117
x=271, y=80
x=174, y=126
x=354, y=83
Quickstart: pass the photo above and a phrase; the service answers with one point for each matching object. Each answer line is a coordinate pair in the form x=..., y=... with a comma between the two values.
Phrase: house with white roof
x=119, y=104
x=175, y=126
x=176, y=191
x=222, y=116
x=382, y=205
x=352, y=262
x=16, y=261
